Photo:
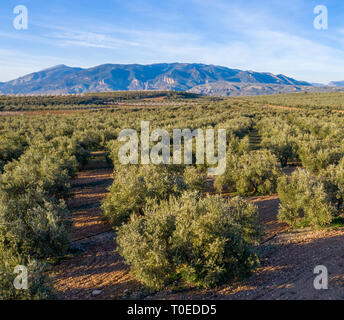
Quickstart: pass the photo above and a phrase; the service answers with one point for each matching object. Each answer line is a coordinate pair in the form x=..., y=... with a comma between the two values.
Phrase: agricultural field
x=87, y=226
x=322, y=101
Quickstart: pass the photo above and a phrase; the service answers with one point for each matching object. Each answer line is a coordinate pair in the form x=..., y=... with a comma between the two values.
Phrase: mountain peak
x=59, y=66
x=113, y=77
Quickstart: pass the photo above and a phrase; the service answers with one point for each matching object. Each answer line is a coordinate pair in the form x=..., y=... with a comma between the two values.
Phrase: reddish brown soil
x=286, y=270
x=97, y=266
x=268, y=207
x=89, y=188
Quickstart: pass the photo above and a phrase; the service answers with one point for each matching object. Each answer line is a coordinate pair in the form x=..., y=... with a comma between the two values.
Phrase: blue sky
x=260, y=35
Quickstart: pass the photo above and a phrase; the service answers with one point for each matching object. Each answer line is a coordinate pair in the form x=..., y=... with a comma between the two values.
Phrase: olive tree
x=252, y=173
x=202, y=241
x=304, y=201
x=134, y=185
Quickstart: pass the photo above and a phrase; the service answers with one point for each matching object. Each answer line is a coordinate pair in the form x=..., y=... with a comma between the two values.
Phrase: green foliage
x=280, y=138
x=333, y=180
x=33, y=224
x=39, y=154
x=202, y=241
x=304, y=201
x=195, y=178
x=32, y=220
x=238, y=127
x=39, y=285
x=252, y=173
x=86, y=100
x=11, y=146
x=134, y=186
x=318, y=154
x=257, y=173
x=283, y=145
x=33, y=214
x=228, y=179
x=238, y=146
x=43, y=174
x=316, y=100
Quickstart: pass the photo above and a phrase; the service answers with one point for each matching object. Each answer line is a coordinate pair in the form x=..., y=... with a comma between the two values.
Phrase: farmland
x=89, y=227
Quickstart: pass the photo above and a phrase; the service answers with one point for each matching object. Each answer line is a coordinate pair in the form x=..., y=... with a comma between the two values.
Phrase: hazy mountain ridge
x=62, y=79
x=223, y=88
x=245, y=89
x=337, y=83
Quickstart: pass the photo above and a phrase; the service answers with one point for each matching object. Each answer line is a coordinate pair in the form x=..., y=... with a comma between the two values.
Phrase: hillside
x=223, y=88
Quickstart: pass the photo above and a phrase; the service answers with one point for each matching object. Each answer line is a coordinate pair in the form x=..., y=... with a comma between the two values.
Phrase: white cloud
x=90, y=39
x=245, y=39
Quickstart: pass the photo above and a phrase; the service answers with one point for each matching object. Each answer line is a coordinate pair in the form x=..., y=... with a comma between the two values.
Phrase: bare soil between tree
x=288, y=258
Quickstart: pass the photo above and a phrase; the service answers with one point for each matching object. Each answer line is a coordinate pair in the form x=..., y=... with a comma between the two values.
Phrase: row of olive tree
x=34, y=217
x=314, y=142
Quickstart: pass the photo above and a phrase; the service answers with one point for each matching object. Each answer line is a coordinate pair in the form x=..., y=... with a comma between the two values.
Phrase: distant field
x=304, y=100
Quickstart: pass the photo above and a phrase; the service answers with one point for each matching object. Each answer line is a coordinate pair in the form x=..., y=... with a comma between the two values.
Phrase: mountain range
x=191, y=77
x=337, y=83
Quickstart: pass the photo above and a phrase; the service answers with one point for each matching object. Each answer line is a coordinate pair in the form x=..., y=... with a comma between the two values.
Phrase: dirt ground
x=96, y=266
x=288, y=258
x=286, y=271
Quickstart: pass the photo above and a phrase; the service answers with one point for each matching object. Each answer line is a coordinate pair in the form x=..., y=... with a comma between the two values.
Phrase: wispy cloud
x=90, y=39
x=258, y=35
